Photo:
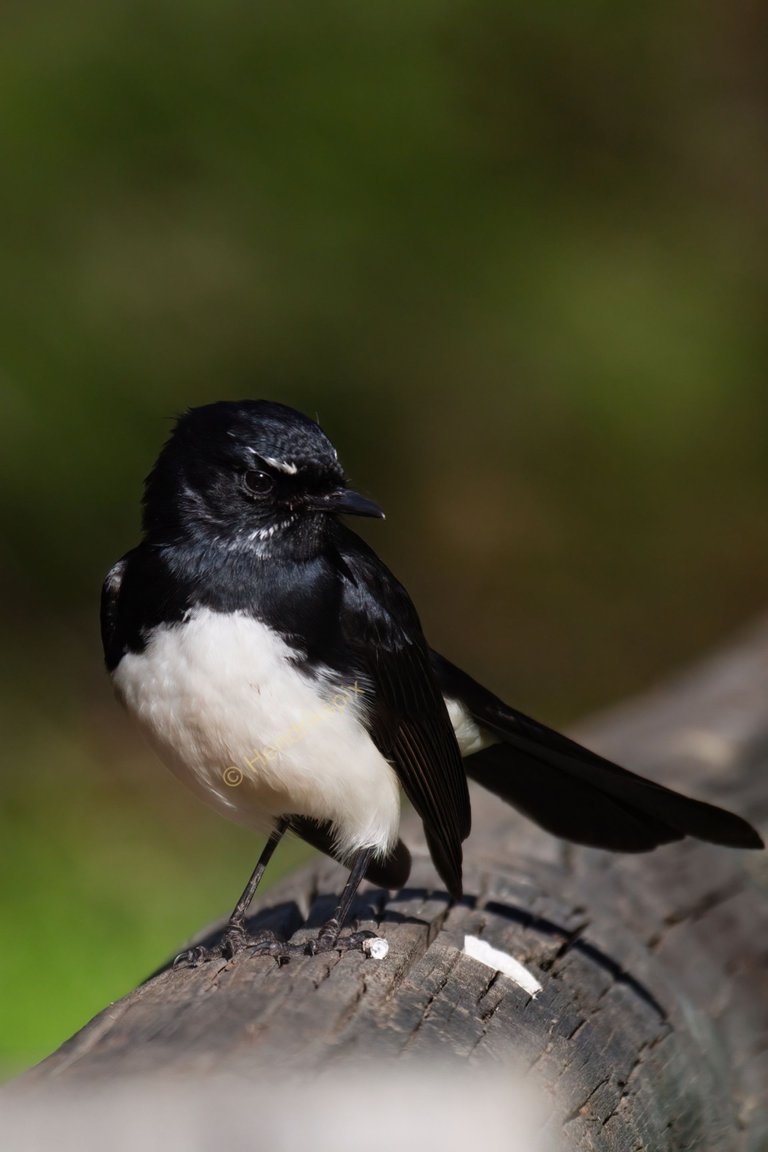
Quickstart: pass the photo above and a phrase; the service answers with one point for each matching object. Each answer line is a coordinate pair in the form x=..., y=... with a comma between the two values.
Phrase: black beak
x=353, y=504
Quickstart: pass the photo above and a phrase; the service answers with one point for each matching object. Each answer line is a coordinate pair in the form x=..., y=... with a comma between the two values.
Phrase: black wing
x=111, y=632
x=575, y=793
x=139, y=592
x=407, y=719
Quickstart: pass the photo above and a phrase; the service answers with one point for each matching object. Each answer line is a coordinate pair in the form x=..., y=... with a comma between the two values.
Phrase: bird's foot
x=329, y=939
x=235, y=939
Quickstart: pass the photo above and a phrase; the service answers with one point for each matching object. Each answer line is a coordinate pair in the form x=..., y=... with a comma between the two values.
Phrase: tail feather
x=622, y=811
x=575, y=793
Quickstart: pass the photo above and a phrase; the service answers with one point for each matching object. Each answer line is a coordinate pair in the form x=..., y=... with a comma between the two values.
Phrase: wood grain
x=651, y=1029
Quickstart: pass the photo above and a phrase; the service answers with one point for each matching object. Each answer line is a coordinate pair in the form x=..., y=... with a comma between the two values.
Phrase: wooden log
x=651, y=1027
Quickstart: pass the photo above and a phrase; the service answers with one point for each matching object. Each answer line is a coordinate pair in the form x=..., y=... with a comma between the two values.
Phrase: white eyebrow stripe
x=281, y=465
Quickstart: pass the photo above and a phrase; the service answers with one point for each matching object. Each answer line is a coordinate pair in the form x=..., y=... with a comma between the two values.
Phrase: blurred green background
x=513, y=255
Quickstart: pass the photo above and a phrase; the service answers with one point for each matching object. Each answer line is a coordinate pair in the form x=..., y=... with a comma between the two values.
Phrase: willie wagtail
x=280, y=670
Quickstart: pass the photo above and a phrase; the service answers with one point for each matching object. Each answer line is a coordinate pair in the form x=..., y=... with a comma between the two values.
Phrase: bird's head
x=246, y=474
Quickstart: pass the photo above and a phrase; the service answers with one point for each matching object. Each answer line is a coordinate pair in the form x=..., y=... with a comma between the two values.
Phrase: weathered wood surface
x=651, y=1031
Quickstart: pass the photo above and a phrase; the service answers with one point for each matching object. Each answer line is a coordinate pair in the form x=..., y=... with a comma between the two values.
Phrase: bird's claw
x=329, y=941
x=236, y=939
x=193, y=957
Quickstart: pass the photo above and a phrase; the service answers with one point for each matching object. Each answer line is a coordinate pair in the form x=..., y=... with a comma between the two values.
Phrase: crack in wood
x=578, y=1112
x=696, y=911
x=569, y=942
x=433, y=996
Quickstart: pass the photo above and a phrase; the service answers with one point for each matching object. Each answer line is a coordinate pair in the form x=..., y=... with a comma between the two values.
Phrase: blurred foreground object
x=649, y=1029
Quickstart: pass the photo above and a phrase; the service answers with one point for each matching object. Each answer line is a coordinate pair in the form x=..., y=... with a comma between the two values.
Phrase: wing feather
x=408, y=720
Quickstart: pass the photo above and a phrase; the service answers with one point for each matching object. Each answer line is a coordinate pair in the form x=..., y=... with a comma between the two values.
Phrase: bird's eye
x=258, y=483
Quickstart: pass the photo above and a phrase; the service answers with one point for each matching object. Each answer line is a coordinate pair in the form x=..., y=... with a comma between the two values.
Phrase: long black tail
x=575, y=793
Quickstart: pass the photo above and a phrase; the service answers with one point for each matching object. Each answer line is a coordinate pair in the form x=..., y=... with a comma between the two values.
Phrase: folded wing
x=407, y=718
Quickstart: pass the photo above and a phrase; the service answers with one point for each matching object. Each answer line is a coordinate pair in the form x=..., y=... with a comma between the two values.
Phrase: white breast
x=232, y=716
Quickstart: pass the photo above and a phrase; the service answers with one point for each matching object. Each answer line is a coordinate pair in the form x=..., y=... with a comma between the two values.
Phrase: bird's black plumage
x=575, y=793
x=243, y=550
x=409, y=722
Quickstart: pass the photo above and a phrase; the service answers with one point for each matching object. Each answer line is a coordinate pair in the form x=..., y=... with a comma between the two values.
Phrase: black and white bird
x=281, y=671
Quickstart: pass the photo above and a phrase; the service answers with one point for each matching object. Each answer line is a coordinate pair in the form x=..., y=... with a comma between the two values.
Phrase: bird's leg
x=328, y=937
x=236, y=925
x=235, y=936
